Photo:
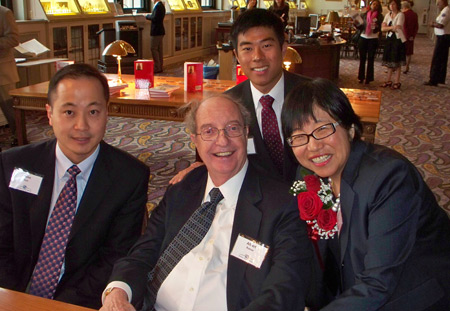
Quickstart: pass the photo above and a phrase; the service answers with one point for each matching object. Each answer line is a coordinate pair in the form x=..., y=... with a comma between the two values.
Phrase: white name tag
x=25, y=181
x=251, y=146
x=251, y=251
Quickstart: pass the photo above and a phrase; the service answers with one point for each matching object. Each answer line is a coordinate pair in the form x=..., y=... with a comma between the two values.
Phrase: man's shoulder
x=238, y=88
x=272, y=189
x=31, y=151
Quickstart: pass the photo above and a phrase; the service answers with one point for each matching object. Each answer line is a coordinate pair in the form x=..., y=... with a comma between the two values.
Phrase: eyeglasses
x=231, y=130
x=319, y=133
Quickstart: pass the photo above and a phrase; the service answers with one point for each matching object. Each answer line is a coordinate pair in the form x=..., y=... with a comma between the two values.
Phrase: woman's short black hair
x=299, y=106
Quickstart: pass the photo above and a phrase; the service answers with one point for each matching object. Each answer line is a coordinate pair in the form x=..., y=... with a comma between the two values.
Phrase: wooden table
x=136, y=103
x=31, y=78
x=131, y=102
x=15, y=301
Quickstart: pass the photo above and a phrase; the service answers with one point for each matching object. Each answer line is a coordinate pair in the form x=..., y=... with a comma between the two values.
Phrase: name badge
x=250, y=251
x=25, y=181
x=251, y=146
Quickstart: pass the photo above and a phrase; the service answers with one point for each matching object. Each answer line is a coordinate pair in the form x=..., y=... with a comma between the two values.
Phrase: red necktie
x=51, y=256
x=271, y=133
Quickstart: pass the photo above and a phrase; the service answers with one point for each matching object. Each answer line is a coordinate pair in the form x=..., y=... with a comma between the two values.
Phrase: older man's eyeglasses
x=319, y=133
x=231, y=130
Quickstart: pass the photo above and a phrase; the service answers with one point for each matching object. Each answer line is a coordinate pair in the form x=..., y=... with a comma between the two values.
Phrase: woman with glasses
x=381, y=240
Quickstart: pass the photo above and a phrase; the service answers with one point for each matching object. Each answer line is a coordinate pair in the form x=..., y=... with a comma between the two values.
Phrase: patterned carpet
x=414, y=121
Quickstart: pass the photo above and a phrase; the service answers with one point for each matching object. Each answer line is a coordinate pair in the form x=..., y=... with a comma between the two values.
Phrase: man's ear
x=236, y=54
x=49, y=113
x=351, y=132
x=284, y=49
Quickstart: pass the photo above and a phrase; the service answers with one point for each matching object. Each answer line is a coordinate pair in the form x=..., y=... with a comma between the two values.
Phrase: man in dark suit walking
x=251, y=250
x=157, y=33
x=260, y=46
x=71, y=206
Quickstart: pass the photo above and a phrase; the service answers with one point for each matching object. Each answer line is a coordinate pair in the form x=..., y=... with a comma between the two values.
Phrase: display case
x=238, y=3
x=184, y=5
x=61, y=9
x=94, y=6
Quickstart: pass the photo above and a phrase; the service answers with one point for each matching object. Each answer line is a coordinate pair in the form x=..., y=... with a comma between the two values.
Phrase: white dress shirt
x=277, y=92
x=199, y=281
x=444, y=19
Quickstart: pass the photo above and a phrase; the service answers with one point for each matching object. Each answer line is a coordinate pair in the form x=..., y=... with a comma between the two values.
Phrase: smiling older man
x=224, y=238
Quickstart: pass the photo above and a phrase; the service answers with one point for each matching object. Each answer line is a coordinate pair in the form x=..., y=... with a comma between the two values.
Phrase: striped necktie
x=190, y=235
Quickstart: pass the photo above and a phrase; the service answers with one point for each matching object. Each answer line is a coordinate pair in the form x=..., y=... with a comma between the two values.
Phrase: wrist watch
x=108, y=291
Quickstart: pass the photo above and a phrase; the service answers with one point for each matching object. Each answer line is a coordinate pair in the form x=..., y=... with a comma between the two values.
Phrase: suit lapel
x=349, y=175
x=40, y=205
x=96, y=188
x=247, y=221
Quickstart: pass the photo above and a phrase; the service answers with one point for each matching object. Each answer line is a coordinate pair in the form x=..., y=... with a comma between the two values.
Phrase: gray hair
x=406, y=5
x=190, y=119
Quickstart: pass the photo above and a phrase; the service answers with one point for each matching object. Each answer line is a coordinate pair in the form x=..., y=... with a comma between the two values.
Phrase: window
x=140, y=5
x=208, y=4
x=7, y=3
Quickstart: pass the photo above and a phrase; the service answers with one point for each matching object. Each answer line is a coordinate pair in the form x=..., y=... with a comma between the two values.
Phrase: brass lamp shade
x=291, y=57
x=118, y=49
x=332, y=17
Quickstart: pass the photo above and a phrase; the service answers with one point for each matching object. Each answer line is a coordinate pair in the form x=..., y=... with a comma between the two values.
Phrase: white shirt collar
x=277, y=92
x=228, y=189
x=63, y=163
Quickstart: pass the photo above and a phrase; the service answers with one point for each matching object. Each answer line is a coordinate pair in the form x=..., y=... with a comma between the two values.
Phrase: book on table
x=163, y=90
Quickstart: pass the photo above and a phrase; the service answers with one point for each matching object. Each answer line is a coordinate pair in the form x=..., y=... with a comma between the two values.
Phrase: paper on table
x=32, y=48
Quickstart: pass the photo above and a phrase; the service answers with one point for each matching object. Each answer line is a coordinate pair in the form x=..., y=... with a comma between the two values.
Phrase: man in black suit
x=259, y=46
x=108, y=197
x=270, y=272
x=157, y=33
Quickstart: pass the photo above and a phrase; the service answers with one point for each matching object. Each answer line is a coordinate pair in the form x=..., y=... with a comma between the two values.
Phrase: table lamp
x=332, y=18
x=291, y=57
x=118, y=49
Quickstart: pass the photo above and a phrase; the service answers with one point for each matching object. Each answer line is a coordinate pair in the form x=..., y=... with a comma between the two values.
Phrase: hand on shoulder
x=181, y=174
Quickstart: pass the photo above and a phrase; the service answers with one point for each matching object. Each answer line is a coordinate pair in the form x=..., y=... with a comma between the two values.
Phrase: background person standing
x=368, y=41
x=157, y=33
x=410, y=29
x=439, y=62
x=9, y=38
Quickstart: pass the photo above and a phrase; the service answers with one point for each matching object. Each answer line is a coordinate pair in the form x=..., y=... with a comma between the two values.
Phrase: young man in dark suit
x=259, y=46
x=61, y=233
x=157, y=33
x=253, y=254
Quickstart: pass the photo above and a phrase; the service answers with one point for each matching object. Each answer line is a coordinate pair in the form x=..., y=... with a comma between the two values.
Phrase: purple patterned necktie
x=271, y=133
x=51, y=256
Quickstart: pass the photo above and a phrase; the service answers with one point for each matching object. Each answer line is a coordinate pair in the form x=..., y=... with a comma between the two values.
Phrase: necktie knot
x=266, y=101
x=215, y=195
x=73, y=171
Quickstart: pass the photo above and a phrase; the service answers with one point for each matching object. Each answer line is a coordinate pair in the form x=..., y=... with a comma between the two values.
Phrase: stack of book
x=163, y=90
x=115, y=86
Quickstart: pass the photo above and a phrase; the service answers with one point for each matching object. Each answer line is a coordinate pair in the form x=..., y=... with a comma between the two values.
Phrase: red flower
x=326, y=219
x=312, y=183
x=309, y=205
